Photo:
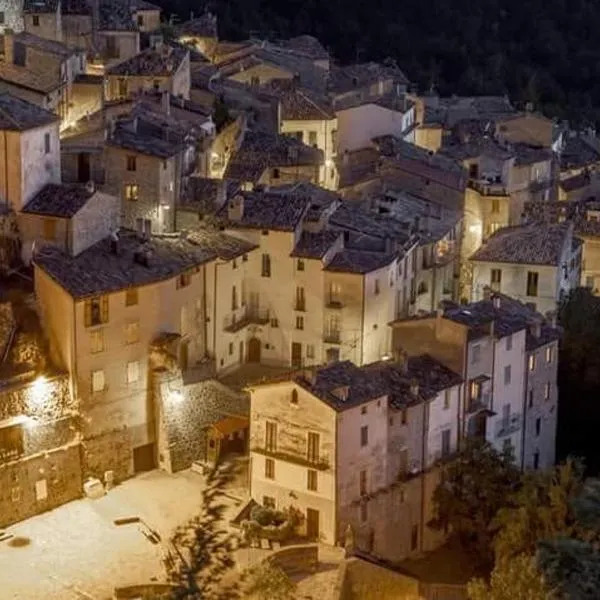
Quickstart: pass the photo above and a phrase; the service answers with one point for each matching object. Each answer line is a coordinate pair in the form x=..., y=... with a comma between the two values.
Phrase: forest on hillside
x=546, y=52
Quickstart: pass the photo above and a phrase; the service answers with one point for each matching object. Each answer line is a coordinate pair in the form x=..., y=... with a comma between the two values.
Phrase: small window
x=496, y=278
x=364, y=435
x=96, y=311
x=475, y=354
x=269, y=468
x=536, y=460
x=234, y=264
x=312, y=138
x=49, y=230
x=538, y=426
x=131, y=192
x=507, y=375
x=230, y=348
x=362, y=483
x=414, y=537
x=300, y=265
x=311, y=480
x=548, y=355
x=547, y=391
x=47, y=143
x=245, y=258
x=363, y=410
x=404, y=416
x=530, y=398
x=310, y=351
x=15, y=492
x=299, y=322
x=532, y=362
x=391, y=421
x=495, y=205
x=364, y=513
x=276, y=173
x=131, y=297
x=140, y=20
x=266, y=266
x=274, y=323
x=98, y=381
x=509, y=341
x=132, y=333
x=184, y=280
x=35, y=20
x=446, y=399
x=97, y=341
x=376, y=290
x=133, y=371
x=294, y=397
x=532, y=283
x=1, y=17
x=131, y=163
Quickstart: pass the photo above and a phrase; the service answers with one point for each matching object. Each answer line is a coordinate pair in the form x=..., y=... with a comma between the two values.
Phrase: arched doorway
x=254, y=350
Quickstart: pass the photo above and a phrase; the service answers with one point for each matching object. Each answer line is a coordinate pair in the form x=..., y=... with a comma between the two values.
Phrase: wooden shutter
x=88, y=313
x=104, y=309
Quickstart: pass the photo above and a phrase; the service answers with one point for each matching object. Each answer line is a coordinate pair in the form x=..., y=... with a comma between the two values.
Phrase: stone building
x=536, y=263
x=343, y=444
x=491, y=343
x=43, y=18
x=12, y=16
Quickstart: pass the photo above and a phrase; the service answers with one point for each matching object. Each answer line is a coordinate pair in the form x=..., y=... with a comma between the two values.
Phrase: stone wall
x=184, y=414
x=9, y=241
x=110, y=451
x=295, y=560
x=42, y=482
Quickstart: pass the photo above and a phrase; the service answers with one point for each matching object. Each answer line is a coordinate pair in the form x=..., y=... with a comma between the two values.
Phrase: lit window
x=311, y=480
x=96, y=311
x=532, y=362
x=131, y=297
x=364, y=435
x=98, y=381
x=132, y=333
x=97, y=341
x=133, y=371
x=548, y=355
x=132, y=192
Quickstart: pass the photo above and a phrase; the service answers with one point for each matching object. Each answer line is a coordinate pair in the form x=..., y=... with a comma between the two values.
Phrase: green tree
x=474, y=486
x=540, y=509
x=268, y=582
x=517, y=579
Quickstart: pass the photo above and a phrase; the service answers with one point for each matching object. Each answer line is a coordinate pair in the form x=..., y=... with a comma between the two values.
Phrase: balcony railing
x=334, y=302
x=478, y=404
x=487, y=188
x=322, y=463
x=247, y=316
x=507, y=426
x=332, y=336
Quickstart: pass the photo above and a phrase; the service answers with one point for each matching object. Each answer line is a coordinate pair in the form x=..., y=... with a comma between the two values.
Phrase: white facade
x=358, y=125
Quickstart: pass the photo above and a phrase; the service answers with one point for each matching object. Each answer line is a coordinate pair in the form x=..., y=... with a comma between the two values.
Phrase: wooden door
x=312, y=524
x=83, y=167
x=254, y=350
x=144, y=458
x=296, y=355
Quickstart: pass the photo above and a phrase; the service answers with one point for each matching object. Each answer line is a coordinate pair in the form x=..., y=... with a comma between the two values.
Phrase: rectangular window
x=475, y=354
x=300, y=265
x=184, y=279
x=97, y=341
x=446, y=442
x=132, y=192
x=274, y=323
x=230, y=348
x=2, y=18
x=131, y=297
x=532, y=283
x=475, y=391
x=299, y=322
x=404, y=416
x=266, y=266
x=362, y=483
x=131, y=163
x=132, y=333
x=49, y=229
x=310, y=351
x=414, y=537
x=509, y=343
x=271, y=437
x=46, y=143
x=300, y=299
x=547, y=391
x=538, y=426
x=496, y=279
x=446, y=399
x=364, y=435
x=140, y=20
x=133, y=371
x=269, y=468
x=311, y=480
x=364, y=513
x=312, y=138
x=507, y=375
x=96, y=311
x=234, y=298
x=495, y=205
x=312, y=447
x=98, y=381
x=376, y=290
x=530, y=398
x=536, y=460
x=36, y=20
x=268, y=502
x=548, y=355
x=532, y=362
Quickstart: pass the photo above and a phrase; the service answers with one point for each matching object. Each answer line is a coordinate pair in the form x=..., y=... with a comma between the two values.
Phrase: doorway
x=312, y=524
x=83, y=167
x=296, y=355
x=144, y=458
x=254, y=349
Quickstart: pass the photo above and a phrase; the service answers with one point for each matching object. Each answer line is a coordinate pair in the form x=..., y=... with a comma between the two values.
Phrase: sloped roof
x=59, y=200
x=17, y=114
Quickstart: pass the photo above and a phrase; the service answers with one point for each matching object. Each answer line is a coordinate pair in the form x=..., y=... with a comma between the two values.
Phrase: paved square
x=76, y=551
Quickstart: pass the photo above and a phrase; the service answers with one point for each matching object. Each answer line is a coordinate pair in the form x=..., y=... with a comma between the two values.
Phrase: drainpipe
x=217, y=265
x=524, y=420
x=204, y=311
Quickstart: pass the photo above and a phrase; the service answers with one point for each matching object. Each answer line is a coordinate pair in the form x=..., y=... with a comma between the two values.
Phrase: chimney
x=235, y=209
x=9, y=40
x=165, y=102
x=114, y=243
x=414, y=387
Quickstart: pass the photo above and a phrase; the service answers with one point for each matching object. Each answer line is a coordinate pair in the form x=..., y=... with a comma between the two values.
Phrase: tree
x=220, y=113
x=540, y=509
x=473, y=487
x=268, y=582
x=517, y=579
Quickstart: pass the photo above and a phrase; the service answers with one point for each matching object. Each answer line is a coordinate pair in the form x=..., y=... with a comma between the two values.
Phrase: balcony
x=320, y=464
x=246, y=316
x=334, y=302
x=507, y=426
x=332, y=336
x=488, y=188
x=477, y=405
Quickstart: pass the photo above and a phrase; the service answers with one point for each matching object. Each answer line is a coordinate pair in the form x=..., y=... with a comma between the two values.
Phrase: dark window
x=364, y=435
x=140, y=20
x=414, y=537
x=36, y=20
x=362, y=483
x=294, y=397
x=271, y=437
x=536, y=460
x=300, y=265
x=131, y=163
x=268, y=502
x=266, y=266
x=445, y=442
x=11, y=442
x=532, y=283
x=538, y=426
x=312, y=453
x=311, y=480
x=269, y=468
x=276, y=173
x=1, y=18
x=47, y=143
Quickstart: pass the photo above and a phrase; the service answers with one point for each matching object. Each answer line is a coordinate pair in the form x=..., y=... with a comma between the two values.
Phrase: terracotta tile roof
x=576, y=182
x=202, y=194
x=260, y=151
x=297, y=104
x=586, y=228
x=42, y=82
x=116, y=15
x=226, y=247
x=532, y=244
x=357, y=166
x=315, y=245
x=59, y=200
x=17, y=114
x=44, y=45
x=306, y=45
x=578, y=153
x=98, y=270
x=349, y=78
x=151, y=63
x=145, y=144
x=360, y=261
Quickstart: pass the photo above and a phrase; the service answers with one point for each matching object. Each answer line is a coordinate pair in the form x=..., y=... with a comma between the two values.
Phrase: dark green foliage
x=220, y=113
x=545, y=52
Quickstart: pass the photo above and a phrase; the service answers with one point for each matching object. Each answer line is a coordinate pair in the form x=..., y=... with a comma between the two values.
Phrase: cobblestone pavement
x=76, y=551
